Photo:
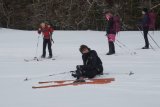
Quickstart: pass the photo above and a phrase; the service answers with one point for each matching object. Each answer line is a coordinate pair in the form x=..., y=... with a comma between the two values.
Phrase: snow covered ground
x=139, y=90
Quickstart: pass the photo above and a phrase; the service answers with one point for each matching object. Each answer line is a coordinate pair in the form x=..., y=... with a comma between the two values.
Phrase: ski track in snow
x=138, y=90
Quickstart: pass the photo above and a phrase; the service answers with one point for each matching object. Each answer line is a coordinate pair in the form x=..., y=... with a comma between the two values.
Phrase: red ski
x=71, y=82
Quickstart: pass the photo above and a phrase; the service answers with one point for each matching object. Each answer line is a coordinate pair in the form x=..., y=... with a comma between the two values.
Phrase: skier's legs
x=145, y=32
x=44, y=47
x=112, y=47
x=49, y=48
x=100, y=70
x=86, y=73
x=109, y=44
x=90, y=73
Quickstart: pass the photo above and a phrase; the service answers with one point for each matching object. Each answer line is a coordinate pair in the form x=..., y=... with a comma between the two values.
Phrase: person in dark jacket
x=92, y=64
x=145, y=26
x=110, y=33
x=47, y=37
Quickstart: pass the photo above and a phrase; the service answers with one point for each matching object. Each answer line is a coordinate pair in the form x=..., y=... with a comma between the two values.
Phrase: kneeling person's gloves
x=77, y=74
x=79, y=67
x=74, y=74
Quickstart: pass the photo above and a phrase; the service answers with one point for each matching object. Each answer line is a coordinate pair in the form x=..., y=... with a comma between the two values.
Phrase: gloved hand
x=52, y=40
x=106, y=35
x=39, y=31
x=79, y=67
x=74, y=74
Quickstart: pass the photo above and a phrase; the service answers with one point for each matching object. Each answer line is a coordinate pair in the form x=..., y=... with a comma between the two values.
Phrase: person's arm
x=109, y=26
x=84, y=59
x=51, y=30
x=93, y=61
x=94, y=58
x=145, y=20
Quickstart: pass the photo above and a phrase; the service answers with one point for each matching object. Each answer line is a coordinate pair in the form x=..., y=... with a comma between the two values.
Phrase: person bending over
x=92, y=65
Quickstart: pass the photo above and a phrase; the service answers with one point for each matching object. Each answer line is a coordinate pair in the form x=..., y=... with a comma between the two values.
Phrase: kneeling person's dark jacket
x=92, y=64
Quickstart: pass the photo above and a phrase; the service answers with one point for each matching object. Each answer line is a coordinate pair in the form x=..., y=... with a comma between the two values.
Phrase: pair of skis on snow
x=60, y=83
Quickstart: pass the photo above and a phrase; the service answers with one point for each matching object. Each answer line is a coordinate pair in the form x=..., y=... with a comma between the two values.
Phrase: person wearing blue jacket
x=145, y=26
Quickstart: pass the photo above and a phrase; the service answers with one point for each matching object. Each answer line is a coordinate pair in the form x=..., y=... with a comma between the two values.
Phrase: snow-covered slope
x=139, y=90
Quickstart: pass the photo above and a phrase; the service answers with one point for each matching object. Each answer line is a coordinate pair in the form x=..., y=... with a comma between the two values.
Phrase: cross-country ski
x=61, y=83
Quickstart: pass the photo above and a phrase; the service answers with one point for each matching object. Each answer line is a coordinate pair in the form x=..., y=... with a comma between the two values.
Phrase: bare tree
x=71, y=14
x=6, y=13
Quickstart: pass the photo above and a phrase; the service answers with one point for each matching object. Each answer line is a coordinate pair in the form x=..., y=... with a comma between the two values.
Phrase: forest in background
x=73, y=14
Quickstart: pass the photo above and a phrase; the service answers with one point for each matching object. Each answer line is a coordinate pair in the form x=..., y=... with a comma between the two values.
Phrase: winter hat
x=82, y=47
x=108, y=15
x=145, y=10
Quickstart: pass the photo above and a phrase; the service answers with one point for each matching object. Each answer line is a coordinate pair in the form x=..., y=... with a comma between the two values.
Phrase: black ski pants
x=45, y=43
x=89, y=72
x=145, y=33
x=111, y=47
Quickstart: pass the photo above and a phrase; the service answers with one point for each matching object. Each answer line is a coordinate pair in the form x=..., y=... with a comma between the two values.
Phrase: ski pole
x=51, y=37
x=121, y=43
x=142, y=34
x=126, y=47
x=59, y=73
x=116, y=73
x=37, y=48
x=123, y=48
x=52, y=41
x=118, y=45
x=153, y=40
x=26, y=79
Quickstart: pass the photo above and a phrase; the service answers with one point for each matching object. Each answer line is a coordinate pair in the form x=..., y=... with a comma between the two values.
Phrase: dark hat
x=145, y=10
x=82, y=47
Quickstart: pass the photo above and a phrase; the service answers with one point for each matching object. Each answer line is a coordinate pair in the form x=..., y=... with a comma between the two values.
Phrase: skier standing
x=92, y=64
x=110, y=32
x=145, y=27
x=47, y=36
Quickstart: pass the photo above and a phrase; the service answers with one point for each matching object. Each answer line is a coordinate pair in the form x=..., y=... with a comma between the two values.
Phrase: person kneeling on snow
x=92, y=65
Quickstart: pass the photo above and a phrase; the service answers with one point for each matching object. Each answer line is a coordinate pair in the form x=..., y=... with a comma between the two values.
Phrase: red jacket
x=152, y=20
x=47, y=32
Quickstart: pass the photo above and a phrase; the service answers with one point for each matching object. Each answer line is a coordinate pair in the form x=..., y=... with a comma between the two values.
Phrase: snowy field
x=139, y=90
